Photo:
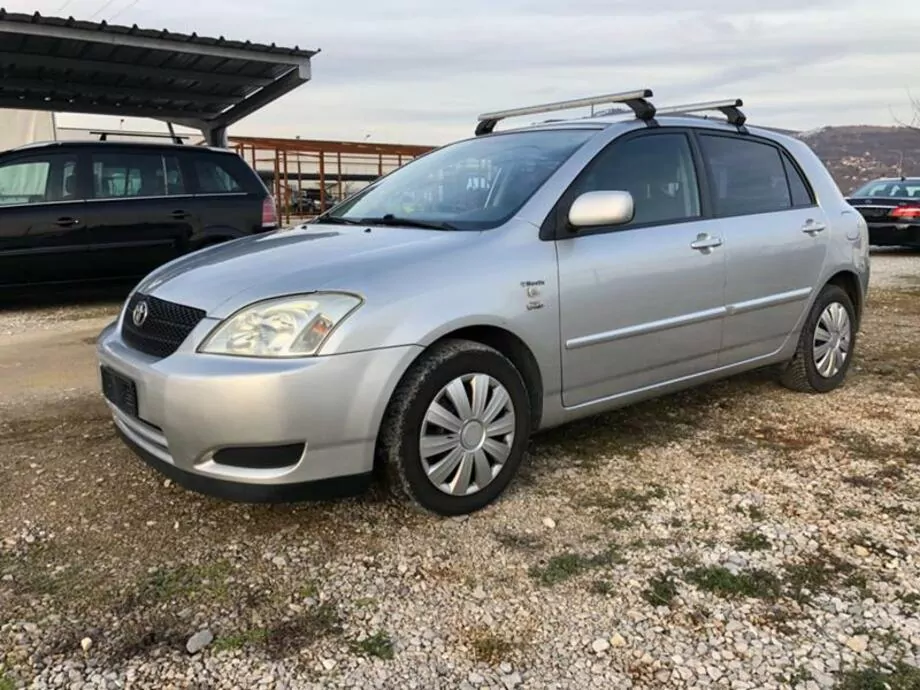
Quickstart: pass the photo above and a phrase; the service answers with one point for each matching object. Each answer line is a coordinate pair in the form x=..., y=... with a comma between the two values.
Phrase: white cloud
x=416, y=71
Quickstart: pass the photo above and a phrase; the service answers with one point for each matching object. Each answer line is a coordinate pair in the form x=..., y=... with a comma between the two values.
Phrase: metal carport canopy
x=66, y=65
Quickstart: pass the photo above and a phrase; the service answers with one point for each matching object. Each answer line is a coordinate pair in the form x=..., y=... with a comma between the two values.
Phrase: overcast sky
x=419, y=71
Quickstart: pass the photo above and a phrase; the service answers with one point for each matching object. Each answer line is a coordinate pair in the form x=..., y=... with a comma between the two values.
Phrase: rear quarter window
x=216, y=176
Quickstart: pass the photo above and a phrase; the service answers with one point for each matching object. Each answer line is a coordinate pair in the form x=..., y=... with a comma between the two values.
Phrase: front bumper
x=894, y=235
x=191, y=405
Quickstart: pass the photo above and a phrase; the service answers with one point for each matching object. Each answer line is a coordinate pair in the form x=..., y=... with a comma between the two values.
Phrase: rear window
x=899, y=189
x=215, y=177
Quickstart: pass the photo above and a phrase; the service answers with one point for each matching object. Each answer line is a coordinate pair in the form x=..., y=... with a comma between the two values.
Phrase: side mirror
x=593, y=209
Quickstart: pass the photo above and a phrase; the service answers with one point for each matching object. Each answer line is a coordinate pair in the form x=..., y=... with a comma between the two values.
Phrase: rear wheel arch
x=849, y=282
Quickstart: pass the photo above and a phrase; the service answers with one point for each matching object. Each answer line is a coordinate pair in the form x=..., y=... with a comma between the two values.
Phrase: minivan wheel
x=457, y=428
x=826, y=344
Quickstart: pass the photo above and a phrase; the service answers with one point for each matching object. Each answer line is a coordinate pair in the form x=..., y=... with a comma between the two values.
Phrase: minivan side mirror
x=593, y=209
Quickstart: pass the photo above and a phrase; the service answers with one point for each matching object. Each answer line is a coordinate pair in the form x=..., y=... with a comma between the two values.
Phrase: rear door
x=140, y=215
x=42, y=219
x=227, y=196
x=776, y=239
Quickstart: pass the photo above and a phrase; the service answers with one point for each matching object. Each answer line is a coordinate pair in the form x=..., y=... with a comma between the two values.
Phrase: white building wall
x=19, y=127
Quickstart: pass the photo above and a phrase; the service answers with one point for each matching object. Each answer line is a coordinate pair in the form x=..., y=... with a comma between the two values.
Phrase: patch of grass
x=6, y=683
x=818, y=573
x=519, y=542
x=240, y=639
x=756, y=583
x=564, y=566
x=755, y=513
x=910, y=599
x=752, y=540
x=861, y=481
x=308, y=590
x=600, y=587
x=661, y=590
x=288, y=637
x=901, y=677
x=378, y=645
x=183, y=581
x=489, y=647
x=685, y=561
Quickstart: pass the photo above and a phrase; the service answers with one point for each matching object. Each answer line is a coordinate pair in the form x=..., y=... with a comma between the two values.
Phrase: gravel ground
x=737, y=535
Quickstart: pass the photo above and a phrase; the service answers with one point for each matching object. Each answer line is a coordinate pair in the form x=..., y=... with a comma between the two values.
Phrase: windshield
x=899, y=189
x=475, y=184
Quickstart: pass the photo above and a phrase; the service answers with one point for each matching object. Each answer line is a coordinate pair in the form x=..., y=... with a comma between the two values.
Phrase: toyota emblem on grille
x=139, y=315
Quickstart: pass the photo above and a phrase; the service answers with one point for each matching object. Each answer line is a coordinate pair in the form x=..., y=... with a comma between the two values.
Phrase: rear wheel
x=826, y=344
x=457, y=428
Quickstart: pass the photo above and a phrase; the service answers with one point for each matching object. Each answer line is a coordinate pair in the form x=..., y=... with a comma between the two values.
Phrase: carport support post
x=322, y=183
x=215, y=136
x=338, y=166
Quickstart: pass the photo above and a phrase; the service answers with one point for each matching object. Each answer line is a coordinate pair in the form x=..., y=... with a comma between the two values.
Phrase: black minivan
x=98, y=210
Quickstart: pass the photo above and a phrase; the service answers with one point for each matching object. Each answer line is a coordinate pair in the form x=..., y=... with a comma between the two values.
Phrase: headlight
x=293, y=326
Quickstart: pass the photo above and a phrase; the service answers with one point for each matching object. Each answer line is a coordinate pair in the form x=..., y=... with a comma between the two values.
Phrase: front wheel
x=457, y=428
x=826, y=344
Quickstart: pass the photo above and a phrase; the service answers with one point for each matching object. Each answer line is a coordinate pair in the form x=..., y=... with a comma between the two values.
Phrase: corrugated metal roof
x=66, y=65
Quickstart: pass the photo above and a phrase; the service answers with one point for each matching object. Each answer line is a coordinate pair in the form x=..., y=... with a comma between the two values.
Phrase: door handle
x=179, y=215
x=812, y=227
x=67, y=222
x=705, y=242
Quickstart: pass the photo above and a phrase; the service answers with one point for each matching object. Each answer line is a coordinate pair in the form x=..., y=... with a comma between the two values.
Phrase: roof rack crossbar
x=636, y=100
x=729, y=108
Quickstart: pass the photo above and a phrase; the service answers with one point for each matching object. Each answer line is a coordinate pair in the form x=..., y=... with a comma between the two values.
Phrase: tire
x=405, y=422
x=802, y=373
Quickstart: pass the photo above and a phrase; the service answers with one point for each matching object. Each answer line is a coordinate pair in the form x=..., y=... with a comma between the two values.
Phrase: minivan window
x=474, y=184
x=657, y=169
x=38, y=180
x=214, y=178
x=748, y=176
x=24, y=183
x=128, y=174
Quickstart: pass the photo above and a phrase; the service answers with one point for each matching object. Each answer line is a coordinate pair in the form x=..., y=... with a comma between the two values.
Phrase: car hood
x=222, y=278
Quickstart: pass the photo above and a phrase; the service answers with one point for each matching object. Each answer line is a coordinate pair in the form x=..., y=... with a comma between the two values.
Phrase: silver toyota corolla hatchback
x=497, y=286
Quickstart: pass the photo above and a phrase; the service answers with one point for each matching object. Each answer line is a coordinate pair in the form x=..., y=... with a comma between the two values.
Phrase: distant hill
x=856, y=154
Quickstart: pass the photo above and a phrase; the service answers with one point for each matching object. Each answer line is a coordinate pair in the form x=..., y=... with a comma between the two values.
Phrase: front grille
x=165, y=327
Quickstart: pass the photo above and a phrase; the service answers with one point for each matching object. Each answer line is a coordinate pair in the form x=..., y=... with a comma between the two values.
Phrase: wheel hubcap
x=832, y=340
x=467, y=434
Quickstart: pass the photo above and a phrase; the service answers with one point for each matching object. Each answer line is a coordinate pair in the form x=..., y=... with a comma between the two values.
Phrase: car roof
x=96, y=143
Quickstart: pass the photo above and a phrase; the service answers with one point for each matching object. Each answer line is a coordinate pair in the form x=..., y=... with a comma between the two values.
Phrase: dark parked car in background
x=95, y=211
x=891, y=207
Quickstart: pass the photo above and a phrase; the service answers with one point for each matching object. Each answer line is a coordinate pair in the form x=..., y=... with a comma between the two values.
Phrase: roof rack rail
x=636, y=100
x=729, y=108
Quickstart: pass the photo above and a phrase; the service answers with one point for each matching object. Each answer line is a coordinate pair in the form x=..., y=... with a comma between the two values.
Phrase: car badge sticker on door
x=139, y=315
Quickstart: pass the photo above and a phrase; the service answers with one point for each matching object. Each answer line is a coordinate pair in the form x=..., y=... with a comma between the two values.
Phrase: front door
x=139, y=216
x=776, y=239
x=642, y=303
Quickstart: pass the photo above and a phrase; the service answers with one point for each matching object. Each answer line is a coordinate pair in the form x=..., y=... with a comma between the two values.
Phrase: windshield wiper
x=390, y=219
x=338, y=220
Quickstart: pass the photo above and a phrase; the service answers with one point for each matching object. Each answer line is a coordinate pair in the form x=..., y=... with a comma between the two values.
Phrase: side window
x=175, y=182
x=798, y=187
x=748, y=176
x=214, y=178
x=38, y=180
x=128, y=175
x=657, y=169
